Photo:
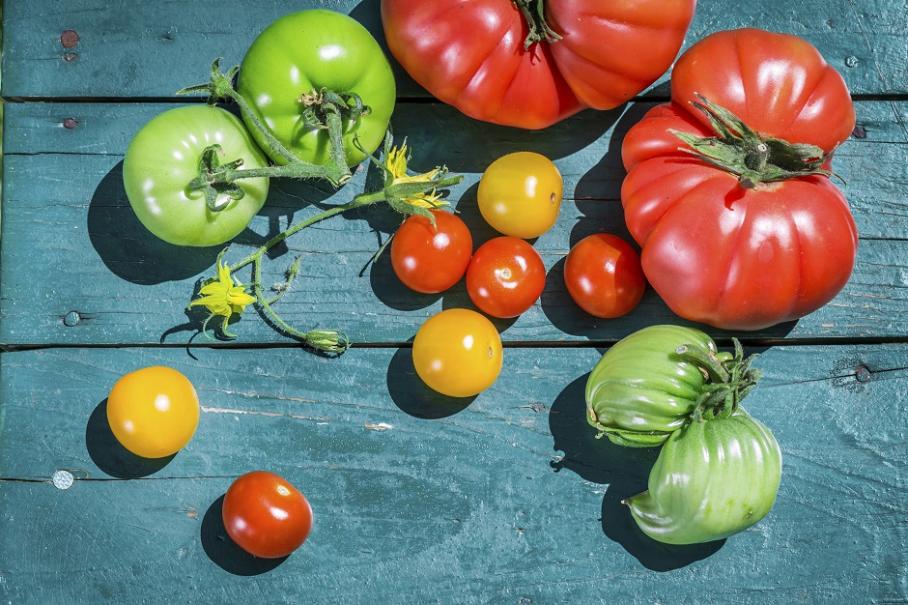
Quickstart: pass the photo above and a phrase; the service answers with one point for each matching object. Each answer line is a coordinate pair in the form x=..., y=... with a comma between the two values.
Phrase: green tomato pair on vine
x=316, y=94
x=719, y=469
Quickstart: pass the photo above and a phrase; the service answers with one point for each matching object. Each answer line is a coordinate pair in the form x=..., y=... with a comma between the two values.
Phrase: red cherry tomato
x=431, y=259
x=603, y=276
x=266, y=516
x=505, y=277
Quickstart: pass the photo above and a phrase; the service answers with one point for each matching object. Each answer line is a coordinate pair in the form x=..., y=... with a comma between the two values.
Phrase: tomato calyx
x=219, y=193
x=741, y=151
x=730, y=378
x=533, y=12
x=319, y=104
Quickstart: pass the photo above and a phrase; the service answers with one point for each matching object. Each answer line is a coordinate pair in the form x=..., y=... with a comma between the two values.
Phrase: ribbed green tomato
x=308, y=51
x=714, y=478
x=642, y=390
x=163, y=158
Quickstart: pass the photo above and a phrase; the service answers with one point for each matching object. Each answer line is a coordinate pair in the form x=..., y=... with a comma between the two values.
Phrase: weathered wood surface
x=418, y=499
x=72, y=244
x=509, y=499
x=151, y=49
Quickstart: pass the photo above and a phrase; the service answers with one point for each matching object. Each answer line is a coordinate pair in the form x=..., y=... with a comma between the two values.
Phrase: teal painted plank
x=64, y=200
x=153, y=48
x=510, y=499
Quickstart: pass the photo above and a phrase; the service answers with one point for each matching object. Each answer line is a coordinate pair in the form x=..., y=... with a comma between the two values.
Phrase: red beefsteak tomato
x=728, y=191
x=532, y=63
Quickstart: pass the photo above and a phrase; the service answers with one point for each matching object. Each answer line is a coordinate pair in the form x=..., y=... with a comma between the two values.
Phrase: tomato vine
x=225, y=296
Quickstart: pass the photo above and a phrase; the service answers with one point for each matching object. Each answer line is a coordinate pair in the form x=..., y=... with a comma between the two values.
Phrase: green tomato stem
x=336, y=135
x=297, y=170
x=220, y=86
x=704, y=359
x=358, y=202
x=252, y=117
x=328, y=341
x=336, y=171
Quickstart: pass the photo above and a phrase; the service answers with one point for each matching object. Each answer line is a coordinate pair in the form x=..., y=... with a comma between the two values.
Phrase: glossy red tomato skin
x=471, y=54
x=265, y=515
x=602, y=274
x=506, y=277
x=611, y=51
x=715, y=252
x=779, y=84
x=431, y=259
x=762, y=257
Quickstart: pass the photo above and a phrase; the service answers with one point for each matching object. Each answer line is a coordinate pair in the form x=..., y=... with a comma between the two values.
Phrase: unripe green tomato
x=303, y=53
x=714, y=478
x=163, y=159
x=642, y=390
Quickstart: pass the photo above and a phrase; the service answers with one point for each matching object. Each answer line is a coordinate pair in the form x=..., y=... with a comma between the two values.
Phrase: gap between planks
x=517, y=344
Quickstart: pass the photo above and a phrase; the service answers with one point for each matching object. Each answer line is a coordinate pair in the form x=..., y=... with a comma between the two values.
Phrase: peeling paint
x=379, y=426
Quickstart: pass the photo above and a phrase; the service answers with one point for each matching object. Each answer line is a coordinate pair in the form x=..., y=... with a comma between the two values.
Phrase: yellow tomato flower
x=396, y=164
x=223, y=297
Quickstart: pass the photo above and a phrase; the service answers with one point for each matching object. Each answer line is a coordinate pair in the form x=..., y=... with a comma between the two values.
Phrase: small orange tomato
x=520, y=194
x=604, y=277
x=458, y=353
x=153, y=412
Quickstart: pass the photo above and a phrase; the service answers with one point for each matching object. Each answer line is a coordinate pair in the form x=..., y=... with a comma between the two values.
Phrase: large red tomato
x=740, y=228
x=499, y=61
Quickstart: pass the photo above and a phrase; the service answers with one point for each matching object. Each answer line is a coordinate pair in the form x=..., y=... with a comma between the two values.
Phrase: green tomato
x=308, y=51
x=163, y=158
x=714, y=478
x=641, y=391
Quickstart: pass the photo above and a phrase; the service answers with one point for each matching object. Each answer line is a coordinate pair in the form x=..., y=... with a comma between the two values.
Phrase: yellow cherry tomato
x=520, y=194
x=153, y=412
x=457, y=353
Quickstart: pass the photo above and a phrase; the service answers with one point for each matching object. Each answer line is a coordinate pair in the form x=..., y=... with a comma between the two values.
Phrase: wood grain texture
x=507, y=498
x=151, y=49
x=417, y=499
x=64, y=200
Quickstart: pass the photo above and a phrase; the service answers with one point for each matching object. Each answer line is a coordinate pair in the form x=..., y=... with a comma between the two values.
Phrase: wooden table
x=417, y=499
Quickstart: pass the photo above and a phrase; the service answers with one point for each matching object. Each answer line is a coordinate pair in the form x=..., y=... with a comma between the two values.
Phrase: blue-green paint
x=418, y=499
x=505, y=499
x=129, y=49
